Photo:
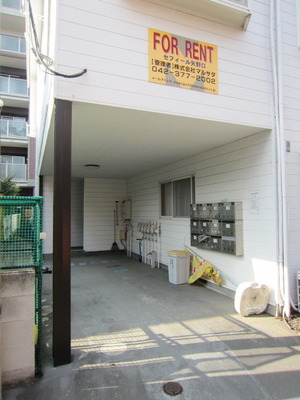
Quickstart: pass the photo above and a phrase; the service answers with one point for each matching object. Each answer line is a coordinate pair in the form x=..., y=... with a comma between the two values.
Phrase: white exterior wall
x=48, y=214
x=110, y=39
x=291, y=97
x=228, y=173
x=100, y=196
x=76, y=213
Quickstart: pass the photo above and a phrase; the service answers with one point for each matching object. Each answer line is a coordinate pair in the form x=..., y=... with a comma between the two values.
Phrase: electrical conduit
x=276, y=54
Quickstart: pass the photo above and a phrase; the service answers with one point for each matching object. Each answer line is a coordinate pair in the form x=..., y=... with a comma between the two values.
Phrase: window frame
x=172, y=199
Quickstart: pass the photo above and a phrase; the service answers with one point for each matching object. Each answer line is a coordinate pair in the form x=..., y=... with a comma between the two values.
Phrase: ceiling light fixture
x=92, y=166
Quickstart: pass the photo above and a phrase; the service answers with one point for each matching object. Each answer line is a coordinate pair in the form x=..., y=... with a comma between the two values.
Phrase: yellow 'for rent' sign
x=182, y=62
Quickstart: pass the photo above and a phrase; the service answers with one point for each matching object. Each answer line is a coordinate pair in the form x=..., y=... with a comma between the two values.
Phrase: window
x=166, y=199
x=12, y=159
x=11, y=4
x=176, y=197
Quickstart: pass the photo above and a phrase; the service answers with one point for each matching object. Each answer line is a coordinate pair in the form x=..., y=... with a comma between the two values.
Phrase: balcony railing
x=12, y=43
x=13, y=129
x=13, y=86
x=17, y=171
x=15, y=4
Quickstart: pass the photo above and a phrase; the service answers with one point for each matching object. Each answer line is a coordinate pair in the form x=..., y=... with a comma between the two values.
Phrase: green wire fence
x=21, y=247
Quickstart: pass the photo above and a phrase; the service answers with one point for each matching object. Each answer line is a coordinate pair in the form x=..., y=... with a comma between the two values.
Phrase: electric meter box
x=215, y=227
x=231, y=210
x=194, y=211
x=194, y=240
x=204, y=227
x=204, y=210
x=231, y=246
x=215, y=243
x=228, y=228
x=218, y=227
x=215, y=210
x=195, y=226
x=205, y=244
x=126, y=205
x=178, y=266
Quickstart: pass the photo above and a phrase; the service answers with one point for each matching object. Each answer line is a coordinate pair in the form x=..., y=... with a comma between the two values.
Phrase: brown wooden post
x=61, y=234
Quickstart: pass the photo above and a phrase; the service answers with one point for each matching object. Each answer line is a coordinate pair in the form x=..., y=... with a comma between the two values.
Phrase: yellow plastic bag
x=203, y=269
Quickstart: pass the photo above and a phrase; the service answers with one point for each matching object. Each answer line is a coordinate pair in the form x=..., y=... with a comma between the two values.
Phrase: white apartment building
x=173, y=103
x=17, y=146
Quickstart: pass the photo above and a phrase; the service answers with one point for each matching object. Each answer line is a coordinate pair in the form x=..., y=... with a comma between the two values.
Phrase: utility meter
x=126, y=210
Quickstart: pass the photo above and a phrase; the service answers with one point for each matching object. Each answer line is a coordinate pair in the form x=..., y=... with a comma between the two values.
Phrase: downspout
x=276, y=53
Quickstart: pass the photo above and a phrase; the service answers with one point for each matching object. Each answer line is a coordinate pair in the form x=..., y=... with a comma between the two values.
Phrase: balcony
x=13, y=86
x=234, y=13
x=13, y=129
x=11, y=17
x=15, y=4
x=17, y=171
x=13, y=44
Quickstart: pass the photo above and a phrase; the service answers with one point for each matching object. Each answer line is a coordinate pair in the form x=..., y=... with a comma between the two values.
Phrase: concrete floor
x=133, y=331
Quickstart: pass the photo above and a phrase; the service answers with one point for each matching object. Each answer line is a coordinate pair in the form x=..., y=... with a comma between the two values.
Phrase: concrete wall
x=17, y=325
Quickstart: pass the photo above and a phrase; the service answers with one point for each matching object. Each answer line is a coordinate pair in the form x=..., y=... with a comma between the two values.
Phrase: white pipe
x=143, y=248
x=131, y=238
x=279, y=300
x=158, y=244
x=129, y=234
x=276, y=53
x=146, y=246
x=144, y=242
x=288, y=302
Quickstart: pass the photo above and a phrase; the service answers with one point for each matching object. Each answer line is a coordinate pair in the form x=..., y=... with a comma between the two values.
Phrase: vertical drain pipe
x=279, y=299
x=276, y=53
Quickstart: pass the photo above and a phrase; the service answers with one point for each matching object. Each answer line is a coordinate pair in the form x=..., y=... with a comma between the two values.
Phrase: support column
x=61, y=234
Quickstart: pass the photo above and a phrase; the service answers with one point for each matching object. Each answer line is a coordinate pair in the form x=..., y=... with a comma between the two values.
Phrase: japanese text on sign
x=182, y=62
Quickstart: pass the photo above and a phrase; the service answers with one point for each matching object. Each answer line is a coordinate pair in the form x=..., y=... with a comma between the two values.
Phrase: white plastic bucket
x=178, y=266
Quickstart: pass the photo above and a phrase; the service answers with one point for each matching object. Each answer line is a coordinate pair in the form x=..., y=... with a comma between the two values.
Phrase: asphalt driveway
x=133, y=332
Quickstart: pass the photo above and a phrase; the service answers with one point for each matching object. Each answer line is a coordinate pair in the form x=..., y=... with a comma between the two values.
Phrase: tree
x=8, y=187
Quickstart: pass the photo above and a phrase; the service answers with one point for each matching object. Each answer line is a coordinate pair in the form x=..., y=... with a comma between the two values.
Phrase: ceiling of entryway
x=127, y=142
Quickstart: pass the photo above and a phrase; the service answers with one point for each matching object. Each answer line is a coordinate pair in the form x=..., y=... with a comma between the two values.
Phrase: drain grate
x=172, y=388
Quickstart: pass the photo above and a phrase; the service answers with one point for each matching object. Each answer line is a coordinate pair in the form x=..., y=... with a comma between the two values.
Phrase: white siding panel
x=100, y=196
x=213, y=183
x=137, y=100
x=76, y=214
x=48, y=214
x=110, y=39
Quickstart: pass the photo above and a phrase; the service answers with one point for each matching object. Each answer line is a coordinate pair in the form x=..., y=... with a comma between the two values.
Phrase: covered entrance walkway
x=133, y=331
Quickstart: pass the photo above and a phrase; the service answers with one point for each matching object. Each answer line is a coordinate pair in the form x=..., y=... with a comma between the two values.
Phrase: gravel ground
x=294, y=322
